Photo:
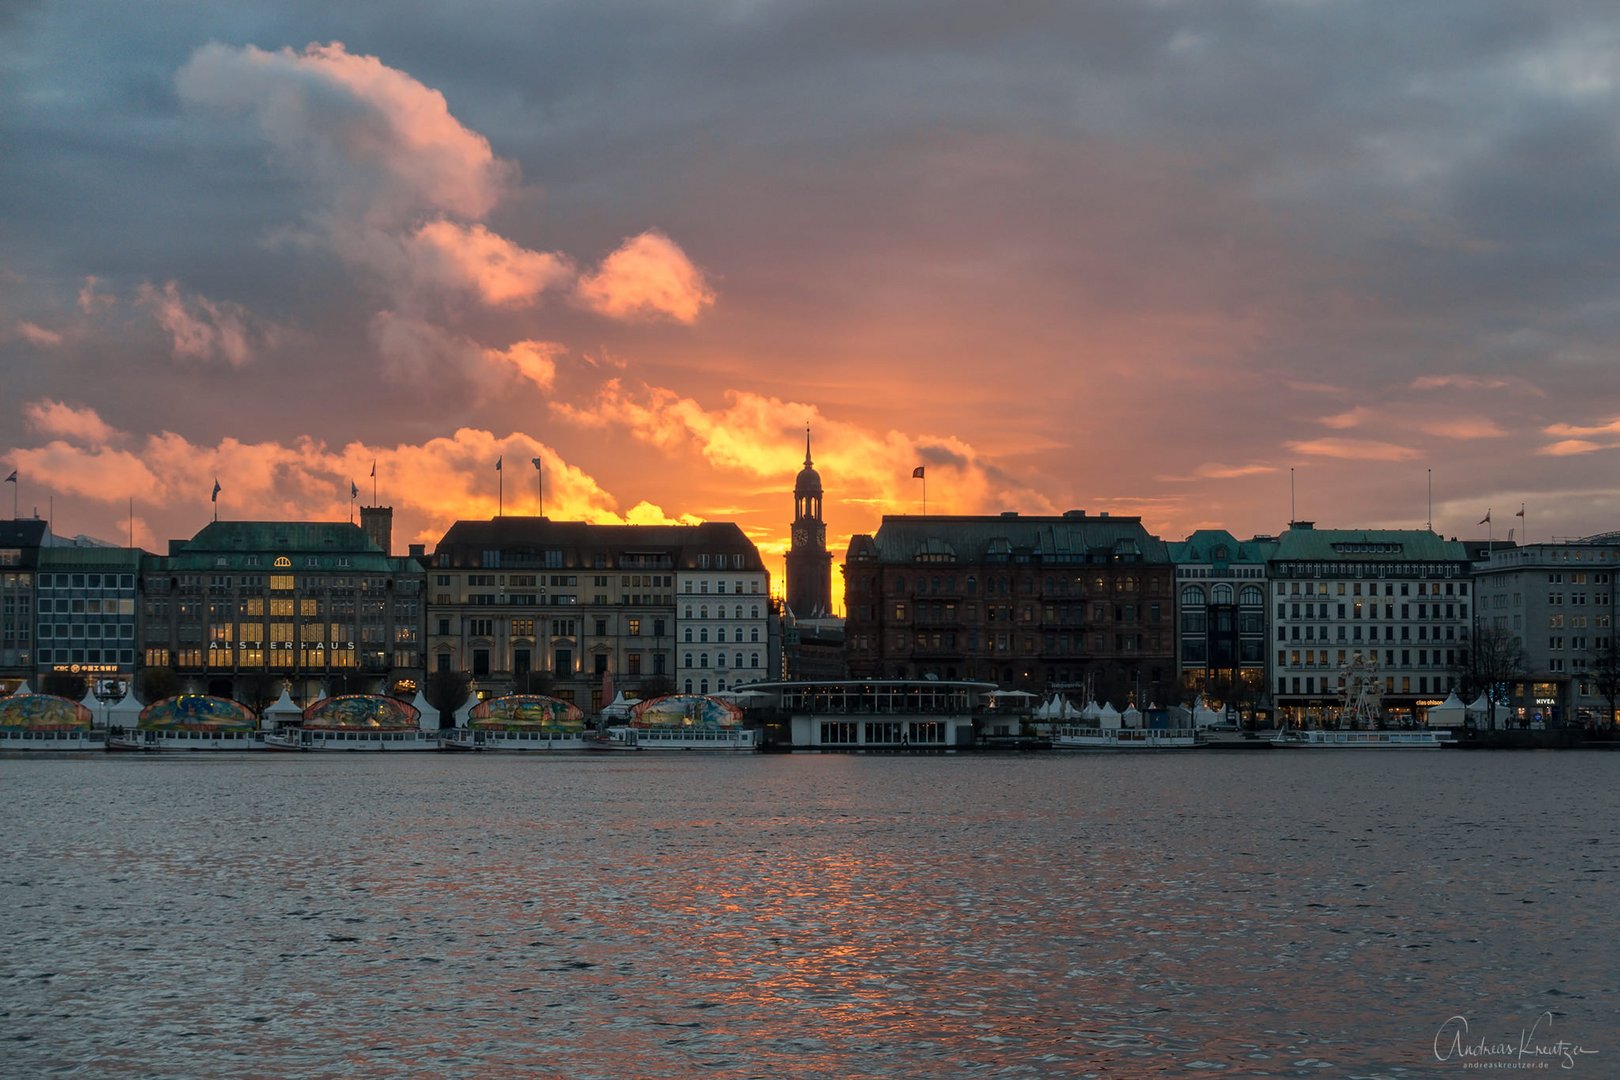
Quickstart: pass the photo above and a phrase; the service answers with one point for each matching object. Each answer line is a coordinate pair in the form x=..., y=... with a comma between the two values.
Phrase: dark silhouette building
x=809, y=563
x=1077, y=602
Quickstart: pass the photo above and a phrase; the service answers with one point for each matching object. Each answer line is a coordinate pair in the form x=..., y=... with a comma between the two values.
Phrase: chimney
x=378, y=522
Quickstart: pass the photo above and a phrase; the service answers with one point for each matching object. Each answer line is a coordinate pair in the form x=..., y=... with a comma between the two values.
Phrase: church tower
x=809, y=563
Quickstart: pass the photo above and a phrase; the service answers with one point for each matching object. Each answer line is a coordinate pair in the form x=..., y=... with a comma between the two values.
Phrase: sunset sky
x=1151, y=258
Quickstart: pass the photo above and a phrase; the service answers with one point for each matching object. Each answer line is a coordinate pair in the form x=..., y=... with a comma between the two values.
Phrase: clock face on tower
x=801, y=536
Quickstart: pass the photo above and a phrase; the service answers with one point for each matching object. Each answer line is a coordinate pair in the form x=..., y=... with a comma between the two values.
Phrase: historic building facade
x=1221, y=616
x=576, y=609
x=88, y=610
x=1558, y=604
x=245, y=606
x=20, y=544
x=809, y=563
x=1077, y=602
x=1389, y=605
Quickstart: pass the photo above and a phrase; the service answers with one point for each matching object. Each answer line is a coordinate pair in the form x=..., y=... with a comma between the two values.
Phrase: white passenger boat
x=681, y=722
x=520, y=723
x=1318, y=739
x=191, y=722
x=305, y=738
x=356, y=723
x=735, y=739
x=47, y=722
x=1103, y=739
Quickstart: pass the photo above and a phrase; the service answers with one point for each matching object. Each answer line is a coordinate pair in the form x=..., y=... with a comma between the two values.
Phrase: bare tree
x=447, y=691
x=158, y=683
x=1489, y=659
x=1602, y=666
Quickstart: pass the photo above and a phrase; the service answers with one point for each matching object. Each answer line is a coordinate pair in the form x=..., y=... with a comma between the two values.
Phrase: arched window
x=688, y=633
x=753, y=659
x=703, y=634
x=753, y=612
x=1251, y=596
x=703, y=659
x=739, y=611
x=1192, y=596
x=753, y=633
x=1222, y=593
x=739, y=661
x=720, y=660
x=720, y=634
x=687, y=660
x=703, y=612
x=703, y=687
x=688, y=608
x=689, y=681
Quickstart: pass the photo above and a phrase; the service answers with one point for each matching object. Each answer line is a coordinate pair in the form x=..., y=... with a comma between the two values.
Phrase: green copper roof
x=1206, y=545
x=1072, y=537
x=235, y=545
x=1344, y=545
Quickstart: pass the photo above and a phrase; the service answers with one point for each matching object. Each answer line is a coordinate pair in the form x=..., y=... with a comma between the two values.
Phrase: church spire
x=807, y=446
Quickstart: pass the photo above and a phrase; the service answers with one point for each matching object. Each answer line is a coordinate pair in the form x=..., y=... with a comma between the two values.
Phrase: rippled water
x=819, y=916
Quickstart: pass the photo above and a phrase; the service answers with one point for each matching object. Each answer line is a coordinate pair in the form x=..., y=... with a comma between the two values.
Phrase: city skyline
x=1212, y=268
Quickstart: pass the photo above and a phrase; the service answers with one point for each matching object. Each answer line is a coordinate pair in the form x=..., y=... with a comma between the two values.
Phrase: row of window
x=123, y=582
x=719, y=660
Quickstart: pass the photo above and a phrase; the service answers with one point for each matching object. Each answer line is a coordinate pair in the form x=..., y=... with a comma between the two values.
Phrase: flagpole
x=374, y=482
x=500, y=488
x=539, y=492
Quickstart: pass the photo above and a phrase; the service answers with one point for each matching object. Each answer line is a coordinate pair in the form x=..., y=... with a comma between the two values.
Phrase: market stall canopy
x=197, y=712
x=686, y=710
x=361, y=712
x=43, y=712
x=526, y=712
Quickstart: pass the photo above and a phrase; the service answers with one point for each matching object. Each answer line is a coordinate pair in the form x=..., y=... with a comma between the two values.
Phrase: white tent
x=93, y=703
x=282, y=711
x=1480, y=711
x=1131, y=717
x=1108, y=716
x=428, y=716
x=619, y=708
x=21, y=691
x=1203, y=715
x=463, y=715
x=1067, y=711
x=126, y=712
x=1091, y=712
x=1450, y=713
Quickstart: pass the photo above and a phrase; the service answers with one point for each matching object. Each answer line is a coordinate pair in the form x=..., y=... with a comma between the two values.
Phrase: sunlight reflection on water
x=1252, y=915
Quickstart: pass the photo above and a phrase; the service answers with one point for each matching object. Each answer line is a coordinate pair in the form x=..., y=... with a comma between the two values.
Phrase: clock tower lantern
x=809, y=563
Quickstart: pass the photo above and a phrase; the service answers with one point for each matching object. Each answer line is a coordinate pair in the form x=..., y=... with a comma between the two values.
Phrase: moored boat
x=1104, y=739
x=47, y=722
x=356, y=722
x=191, y=722
x=1346, y=739
x=684, y=722
x=521, y=723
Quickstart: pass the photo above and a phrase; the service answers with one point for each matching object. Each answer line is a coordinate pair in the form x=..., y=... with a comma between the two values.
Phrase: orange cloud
x=59, y=418
x=202, y=329
x=763, y=437
x=423, y=353
x=1216, y=471
x=1352, y=418
x=1464, y=427
x=429, y=485
x=1354, y=449
x=1460, y=382
x=1608, y=427
x=90, y=300
x=649, y=276
x=377, y=141
x=38, y=335
x=473, y=259
x=1572, y=447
